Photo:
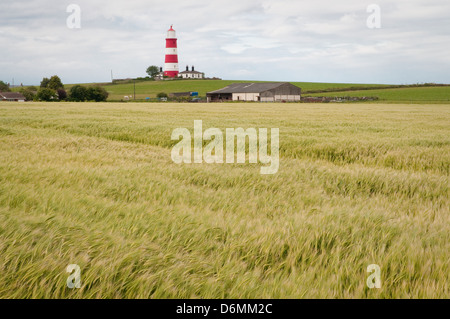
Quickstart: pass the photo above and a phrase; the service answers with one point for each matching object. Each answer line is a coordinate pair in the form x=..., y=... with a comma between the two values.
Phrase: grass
x=385, y=92
x=152, y=88
x=94, y=185
x=418, y=94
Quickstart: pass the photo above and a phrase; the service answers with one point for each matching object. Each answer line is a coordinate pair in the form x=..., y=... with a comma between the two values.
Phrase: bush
x=4, y=87
x=161, y=94
x=62, y=94
x=46, y=94
x=28, y=93
x=78, y=93
x=183, y=99
x=97, y=93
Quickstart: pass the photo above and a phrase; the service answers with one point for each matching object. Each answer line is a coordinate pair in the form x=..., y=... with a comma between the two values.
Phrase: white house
x=191, y=74
x=12, y=96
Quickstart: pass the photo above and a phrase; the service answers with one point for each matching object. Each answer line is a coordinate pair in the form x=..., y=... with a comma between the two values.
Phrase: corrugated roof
x=249, y=87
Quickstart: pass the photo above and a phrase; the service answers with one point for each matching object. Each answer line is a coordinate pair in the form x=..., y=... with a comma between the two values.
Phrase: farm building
x=12, y=96
x=258, y=92
x=191, y=74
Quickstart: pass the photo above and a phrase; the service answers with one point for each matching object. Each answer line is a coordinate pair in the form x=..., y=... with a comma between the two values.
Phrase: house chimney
x=187, y=67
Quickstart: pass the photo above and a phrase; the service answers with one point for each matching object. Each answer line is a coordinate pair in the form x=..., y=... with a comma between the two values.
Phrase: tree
x=4, y=87
x=97, y=93
x=78, y=93
x=161, y=94
x=55, y=83
x=46, y=94
x=152, y=71
x=94, y=93
x=62, y=94
x=28, y=93
x=44, y=82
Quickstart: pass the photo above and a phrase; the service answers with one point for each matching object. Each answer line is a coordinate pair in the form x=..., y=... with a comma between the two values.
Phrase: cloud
x=290, y=40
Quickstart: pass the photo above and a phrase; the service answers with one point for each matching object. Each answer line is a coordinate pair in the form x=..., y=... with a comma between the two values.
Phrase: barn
x=12, y=96
x=258, y=92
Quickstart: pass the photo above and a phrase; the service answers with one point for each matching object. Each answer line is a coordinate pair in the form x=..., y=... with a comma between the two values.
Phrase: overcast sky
x=282, y=40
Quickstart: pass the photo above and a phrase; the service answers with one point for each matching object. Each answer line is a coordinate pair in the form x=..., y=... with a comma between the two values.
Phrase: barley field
x=93, y=184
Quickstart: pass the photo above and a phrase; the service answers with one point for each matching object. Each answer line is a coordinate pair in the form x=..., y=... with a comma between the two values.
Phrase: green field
x=419, y=94
x=386, y=94
x=383, y=92
x=94, y=185
x=152, y=88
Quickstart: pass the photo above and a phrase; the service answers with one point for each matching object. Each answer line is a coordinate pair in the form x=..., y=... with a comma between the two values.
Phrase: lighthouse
x=171, y=62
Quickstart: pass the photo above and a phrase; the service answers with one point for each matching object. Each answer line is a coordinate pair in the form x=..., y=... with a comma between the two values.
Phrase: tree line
x=52, y=89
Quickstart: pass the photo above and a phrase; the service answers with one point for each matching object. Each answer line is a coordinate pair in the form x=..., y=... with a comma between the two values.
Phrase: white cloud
x=291, y=40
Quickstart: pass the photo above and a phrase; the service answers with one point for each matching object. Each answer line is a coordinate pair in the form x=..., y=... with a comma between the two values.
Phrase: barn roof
x=12, y=95
x=249, y=87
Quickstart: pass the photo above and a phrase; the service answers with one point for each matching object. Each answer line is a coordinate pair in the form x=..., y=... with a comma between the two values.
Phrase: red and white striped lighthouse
x=171, y=63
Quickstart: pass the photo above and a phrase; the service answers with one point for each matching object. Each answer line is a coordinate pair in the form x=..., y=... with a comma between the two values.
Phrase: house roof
x=186, y=72
x=12, y=95
x=249, y=87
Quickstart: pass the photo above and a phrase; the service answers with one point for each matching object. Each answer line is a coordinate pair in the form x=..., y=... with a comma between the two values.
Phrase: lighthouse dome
x=171, y=33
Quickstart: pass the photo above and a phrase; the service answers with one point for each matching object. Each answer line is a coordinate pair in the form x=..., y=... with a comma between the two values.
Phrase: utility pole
x=134, y=89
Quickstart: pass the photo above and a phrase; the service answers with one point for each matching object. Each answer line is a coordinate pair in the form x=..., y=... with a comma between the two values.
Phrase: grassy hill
x=385, y=92
x=405, y=94
x=152, y=88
